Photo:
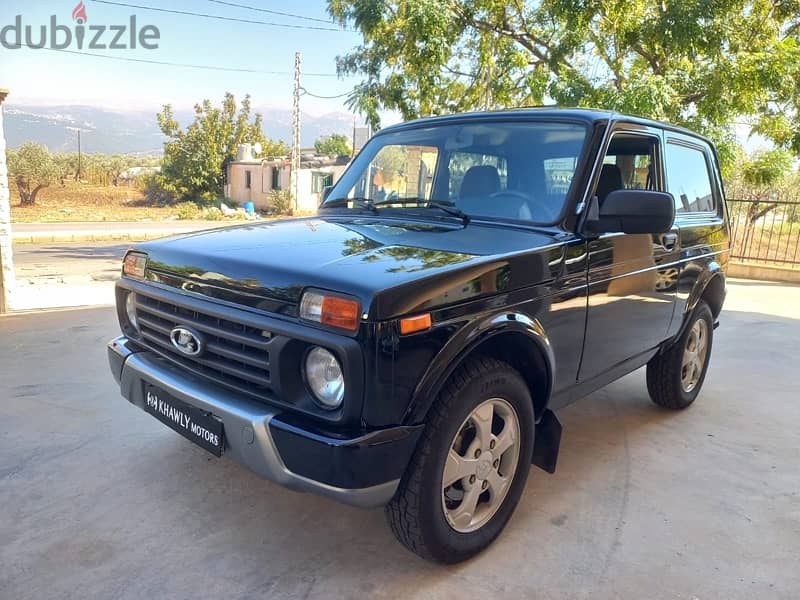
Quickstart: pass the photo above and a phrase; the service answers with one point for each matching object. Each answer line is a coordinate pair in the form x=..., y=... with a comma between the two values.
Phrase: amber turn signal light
x=415, y=324
x=333, y=311
x=340, y=312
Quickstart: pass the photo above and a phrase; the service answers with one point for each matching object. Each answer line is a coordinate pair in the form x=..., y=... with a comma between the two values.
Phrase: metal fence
x=765, y=231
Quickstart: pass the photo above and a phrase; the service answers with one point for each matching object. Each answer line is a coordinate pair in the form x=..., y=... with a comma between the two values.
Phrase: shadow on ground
x=101, y=500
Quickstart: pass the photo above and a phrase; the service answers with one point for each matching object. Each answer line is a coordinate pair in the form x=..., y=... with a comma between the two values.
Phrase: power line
x=272, y=12
x=307, y=93
x=168, y=63
x=218, y=17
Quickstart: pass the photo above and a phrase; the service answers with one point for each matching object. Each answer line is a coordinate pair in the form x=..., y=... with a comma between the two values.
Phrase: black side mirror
x=326, y=191
x=631, y=211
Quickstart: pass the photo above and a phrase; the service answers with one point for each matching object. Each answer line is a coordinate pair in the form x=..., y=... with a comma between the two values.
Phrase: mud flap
x=547, y=441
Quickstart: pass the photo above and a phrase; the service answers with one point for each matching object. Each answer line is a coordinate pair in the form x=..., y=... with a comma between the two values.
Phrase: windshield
x=512, y=170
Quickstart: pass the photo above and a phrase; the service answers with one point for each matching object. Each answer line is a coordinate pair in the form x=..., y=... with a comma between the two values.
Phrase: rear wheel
x=470, y=468
x=674, y=377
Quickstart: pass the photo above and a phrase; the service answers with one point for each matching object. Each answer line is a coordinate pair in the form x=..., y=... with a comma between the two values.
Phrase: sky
x=51, y=77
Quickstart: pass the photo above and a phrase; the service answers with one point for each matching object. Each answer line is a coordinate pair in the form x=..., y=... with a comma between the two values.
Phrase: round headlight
x=324, y=378
x=130, y=311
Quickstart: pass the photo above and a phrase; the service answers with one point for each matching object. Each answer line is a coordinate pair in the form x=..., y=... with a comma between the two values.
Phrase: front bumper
x=362, y=470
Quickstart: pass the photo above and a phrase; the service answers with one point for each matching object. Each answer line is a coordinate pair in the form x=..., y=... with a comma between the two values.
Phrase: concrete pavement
x=100, y=500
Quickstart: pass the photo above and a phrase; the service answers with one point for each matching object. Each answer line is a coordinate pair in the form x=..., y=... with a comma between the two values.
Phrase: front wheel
x=469, y=471
x=674, y=377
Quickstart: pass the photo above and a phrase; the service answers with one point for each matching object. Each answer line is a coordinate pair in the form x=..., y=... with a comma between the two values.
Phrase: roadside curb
x=82, y=236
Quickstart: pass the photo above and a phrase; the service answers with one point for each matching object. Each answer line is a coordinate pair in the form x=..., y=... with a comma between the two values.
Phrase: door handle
x=669, y=240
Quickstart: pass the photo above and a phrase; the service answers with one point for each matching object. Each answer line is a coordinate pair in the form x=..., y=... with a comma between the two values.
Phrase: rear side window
x=689, y=180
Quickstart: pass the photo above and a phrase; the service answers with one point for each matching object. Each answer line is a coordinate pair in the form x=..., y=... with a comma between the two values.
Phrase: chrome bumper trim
x=246, y=423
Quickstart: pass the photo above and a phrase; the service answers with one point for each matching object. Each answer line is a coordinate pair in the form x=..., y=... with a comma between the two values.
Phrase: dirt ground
x=79, y=202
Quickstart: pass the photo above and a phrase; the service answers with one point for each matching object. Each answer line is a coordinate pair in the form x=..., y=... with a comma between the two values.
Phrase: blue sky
x=48, y=77
x=44, y=76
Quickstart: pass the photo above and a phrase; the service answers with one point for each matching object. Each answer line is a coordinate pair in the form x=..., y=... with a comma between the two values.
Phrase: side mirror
x=632, y=211
x=326, y=191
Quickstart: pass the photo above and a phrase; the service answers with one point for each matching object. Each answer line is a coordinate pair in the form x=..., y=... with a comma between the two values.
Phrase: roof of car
x=589, y=115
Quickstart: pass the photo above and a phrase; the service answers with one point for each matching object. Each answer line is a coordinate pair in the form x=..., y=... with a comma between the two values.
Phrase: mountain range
x=110, y=131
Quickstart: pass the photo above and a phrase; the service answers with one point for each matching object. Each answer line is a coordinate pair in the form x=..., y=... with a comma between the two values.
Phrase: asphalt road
x=100, y=500
x=69, y=261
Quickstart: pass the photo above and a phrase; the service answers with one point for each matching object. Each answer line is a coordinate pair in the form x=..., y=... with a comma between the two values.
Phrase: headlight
x=324, y=378
x=331, y=310
x=130, y=310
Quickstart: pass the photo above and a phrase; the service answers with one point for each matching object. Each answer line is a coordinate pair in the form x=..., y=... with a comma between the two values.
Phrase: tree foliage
x=767, y=168
x=699, y=63
x=335, y=144
x=195, y=159
x=32, y=168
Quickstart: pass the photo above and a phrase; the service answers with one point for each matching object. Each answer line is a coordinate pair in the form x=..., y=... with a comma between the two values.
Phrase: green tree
x=195, y=159
x=335, y=144
x=115, y=166
x=32, y=168
x=763, y=179
x=697, y=63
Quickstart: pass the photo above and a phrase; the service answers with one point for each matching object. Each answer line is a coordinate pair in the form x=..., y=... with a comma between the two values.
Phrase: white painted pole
x=6, y=257
x=295, y=172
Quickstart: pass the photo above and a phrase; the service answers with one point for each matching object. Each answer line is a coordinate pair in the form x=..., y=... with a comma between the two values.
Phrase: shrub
x=188, y=211
x=281, y=202
x=152, y=186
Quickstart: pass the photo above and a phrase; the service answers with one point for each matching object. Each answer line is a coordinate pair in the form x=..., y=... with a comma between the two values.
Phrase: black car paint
x=544, y=288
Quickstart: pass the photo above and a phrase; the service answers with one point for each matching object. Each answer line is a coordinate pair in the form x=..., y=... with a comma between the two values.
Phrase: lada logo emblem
x=187, y=341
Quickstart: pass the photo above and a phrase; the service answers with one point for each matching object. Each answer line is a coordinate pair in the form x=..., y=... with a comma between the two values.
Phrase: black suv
x=407, y=347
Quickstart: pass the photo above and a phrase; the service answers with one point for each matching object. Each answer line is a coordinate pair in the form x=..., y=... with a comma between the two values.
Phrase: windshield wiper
x=446, y=206
x=451, y=209
x=358, y=202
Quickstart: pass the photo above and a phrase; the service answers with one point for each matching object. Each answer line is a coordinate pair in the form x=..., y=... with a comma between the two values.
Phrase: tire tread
x=402, y=512
x=664, y=370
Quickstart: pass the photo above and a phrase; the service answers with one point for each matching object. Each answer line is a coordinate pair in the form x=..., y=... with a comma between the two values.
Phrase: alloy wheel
x=480, y=465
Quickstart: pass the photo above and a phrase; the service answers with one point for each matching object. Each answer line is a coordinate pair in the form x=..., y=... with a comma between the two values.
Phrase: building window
x=319, y=181
x=276, y=178
x=247, y=179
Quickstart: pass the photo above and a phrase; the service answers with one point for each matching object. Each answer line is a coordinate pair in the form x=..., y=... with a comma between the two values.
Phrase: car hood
x=268, y=265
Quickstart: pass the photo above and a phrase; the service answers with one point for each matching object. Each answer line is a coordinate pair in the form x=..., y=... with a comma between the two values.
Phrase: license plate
x=192, y=423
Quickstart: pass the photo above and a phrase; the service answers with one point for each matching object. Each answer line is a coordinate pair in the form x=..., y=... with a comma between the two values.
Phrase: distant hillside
x=136, y=132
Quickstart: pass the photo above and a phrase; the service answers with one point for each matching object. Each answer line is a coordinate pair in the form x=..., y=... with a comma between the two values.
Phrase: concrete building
x=252, y=179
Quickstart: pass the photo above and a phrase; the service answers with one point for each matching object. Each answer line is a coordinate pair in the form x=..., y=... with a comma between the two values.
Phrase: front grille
x=236, y=355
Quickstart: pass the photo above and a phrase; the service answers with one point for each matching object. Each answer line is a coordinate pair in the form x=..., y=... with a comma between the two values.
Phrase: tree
x=115, y=166
x=195, y=159
x=763, y=174
x=32, y=168
x=700, y=64
x=335, y=144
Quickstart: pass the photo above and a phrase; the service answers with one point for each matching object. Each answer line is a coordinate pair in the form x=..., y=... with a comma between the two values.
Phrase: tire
x=421, y=514
x=673, y=384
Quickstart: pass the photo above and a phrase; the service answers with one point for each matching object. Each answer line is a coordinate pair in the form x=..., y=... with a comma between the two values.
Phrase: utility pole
x=80, y=154
x=295, y=172
x=6, y=259
x=353, y=147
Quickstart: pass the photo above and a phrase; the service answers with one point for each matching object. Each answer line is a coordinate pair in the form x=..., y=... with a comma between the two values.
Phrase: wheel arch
x=513, y=338
x=710, y=289
x=714, y=293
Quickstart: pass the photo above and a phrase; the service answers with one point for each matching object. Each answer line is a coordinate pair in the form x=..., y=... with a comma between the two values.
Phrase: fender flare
x=711, y=274
x=464, y=343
